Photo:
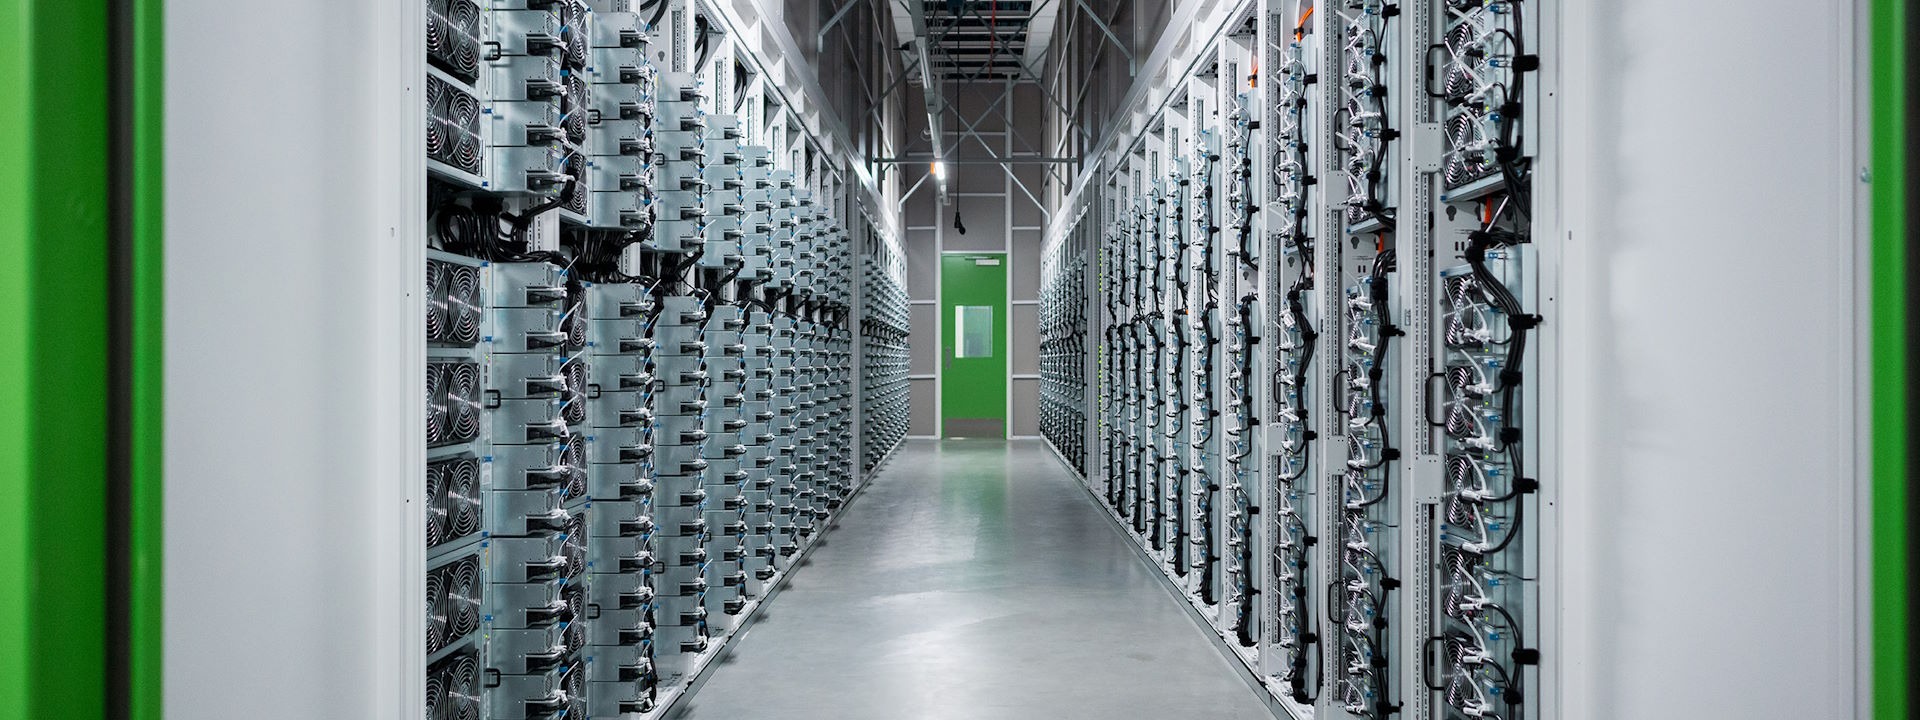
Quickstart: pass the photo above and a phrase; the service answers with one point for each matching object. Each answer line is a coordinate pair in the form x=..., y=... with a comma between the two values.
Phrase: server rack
x=644, y=291
x=1319, y=256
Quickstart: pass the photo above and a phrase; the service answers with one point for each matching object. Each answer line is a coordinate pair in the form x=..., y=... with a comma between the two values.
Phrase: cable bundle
x=1241, y=354
x=1487, y=486
x=1293, y=181
x=1206, y=488
x=1366, y=131
x=1365, y=579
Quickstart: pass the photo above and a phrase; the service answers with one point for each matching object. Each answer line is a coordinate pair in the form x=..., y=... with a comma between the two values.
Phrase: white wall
x=1710, y=323
x=288, y=372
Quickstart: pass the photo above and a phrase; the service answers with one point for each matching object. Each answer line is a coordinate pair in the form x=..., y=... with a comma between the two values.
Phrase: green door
x=973, y=345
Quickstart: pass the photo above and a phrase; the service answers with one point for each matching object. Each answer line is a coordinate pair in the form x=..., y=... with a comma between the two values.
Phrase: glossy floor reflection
x=974, y=580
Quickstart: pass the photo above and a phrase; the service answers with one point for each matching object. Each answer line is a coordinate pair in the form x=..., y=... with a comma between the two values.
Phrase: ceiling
x=979, y=40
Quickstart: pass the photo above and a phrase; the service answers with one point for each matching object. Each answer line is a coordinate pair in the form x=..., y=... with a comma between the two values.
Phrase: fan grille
x=437, y=620
x=463, y=304
x=463, y=401
x=463, y=497
x=463, y=596
x=436, y=504
x=437, y=411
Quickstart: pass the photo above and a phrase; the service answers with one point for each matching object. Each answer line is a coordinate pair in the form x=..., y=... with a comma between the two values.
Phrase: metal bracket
x=1428, y=154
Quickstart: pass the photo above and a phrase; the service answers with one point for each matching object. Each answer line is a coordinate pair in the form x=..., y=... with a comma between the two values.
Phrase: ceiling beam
x=1132, y=67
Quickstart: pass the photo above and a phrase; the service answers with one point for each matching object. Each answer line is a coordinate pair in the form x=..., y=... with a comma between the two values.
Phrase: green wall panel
x=54, y=299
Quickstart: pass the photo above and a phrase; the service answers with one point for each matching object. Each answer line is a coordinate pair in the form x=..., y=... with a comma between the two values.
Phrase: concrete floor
x=974, y=579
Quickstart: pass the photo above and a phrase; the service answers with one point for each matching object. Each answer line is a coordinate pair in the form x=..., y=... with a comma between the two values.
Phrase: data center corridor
x=974, y=579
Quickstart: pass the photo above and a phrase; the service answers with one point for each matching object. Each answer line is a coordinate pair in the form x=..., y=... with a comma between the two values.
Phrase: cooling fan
x=453, y=602
x=575, y=688
x=453, y=125
x=436, y=288
x=437, y=411
x=1461, y=422
x=1463, y=515
x=1453, y=565
x=1359, y=399
x=574, y=548
x=1460, y=472
x=1463, y=381
x=462, y=388
x=463, y=304
x=576, y=599
x=436, y=504
x=576, y=167
x=1462, y=46
x=463, y=498
x=437, y=700
x=463, y=597
x=453, y=37
x=436, y=610
x=1467, y=156
x=453, y=687
x=575, y=107
x=1462, y=291
x=574, y=33
x=464, y=113
x=575, y=458
x=1461, y=691
x=574, y=411
x=439, y=135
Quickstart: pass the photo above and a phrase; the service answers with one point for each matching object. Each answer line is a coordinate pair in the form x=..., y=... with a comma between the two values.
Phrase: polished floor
x=974, y=580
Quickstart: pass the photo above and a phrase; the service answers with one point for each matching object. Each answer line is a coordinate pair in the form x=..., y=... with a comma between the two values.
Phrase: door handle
x=948, y=364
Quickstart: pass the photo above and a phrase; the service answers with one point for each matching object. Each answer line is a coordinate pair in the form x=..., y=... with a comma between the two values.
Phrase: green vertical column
x=1890, y=366
x=54, y=314
x=139, y=172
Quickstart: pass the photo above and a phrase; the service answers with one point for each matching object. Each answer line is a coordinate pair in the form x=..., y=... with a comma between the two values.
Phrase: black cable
x=702, y=49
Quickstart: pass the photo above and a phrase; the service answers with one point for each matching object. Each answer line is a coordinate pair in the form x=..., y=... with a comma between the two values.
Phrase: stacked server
x=1364, y=137
x=1490, y=306
x=536, y=403
x=884, y=327
x=1198, y=180
x=1063, y=351
x=1299, y=318
x=641, y=374
x=1318, y=274
x=456, y=573
x=1241, y=295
